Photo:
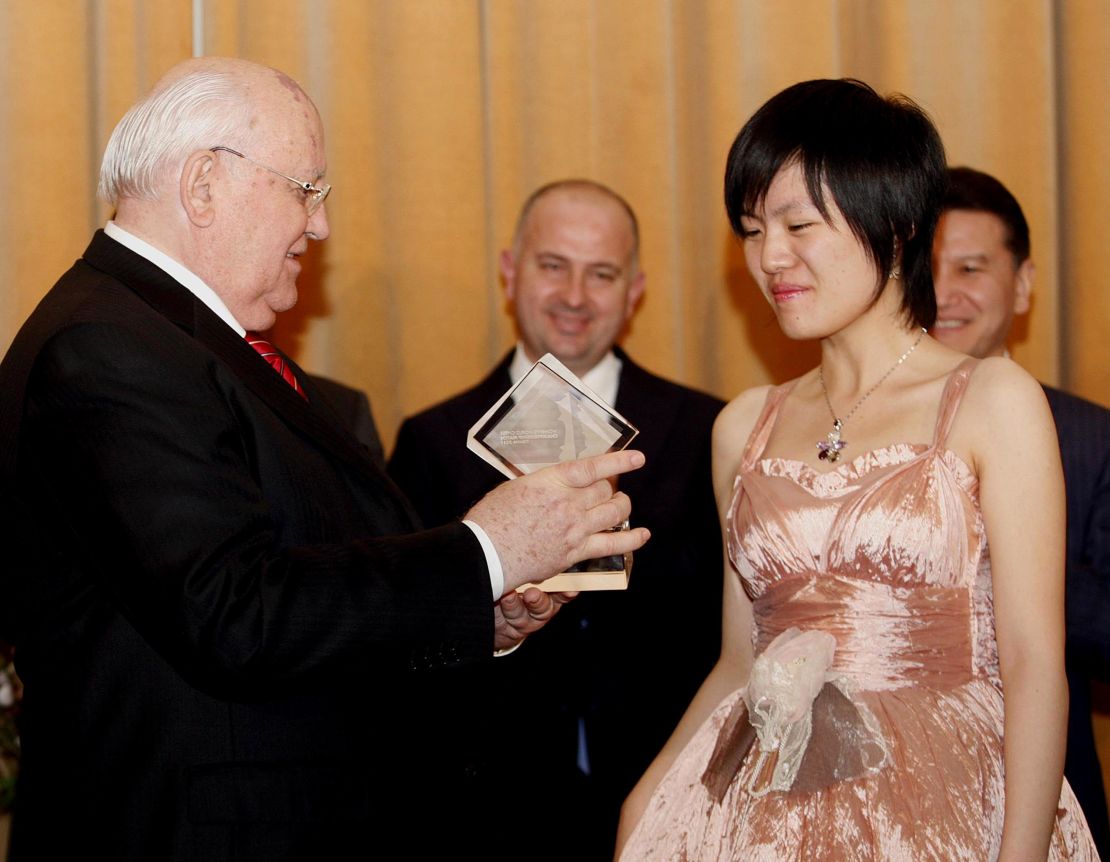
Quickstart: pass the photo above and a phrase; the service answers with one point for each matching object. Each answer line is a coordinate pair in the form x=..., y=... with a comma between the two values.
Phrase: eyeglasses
x=313, y=195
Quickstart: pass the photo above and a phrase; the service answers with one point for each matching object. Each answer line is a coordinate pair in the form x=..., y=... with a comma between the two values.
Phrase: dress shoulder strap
x=757, y=440
x=950, y=399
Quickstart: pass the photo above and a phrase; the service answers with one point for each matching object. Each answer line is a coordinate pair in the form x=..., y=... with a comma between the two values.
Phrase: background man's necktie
x=270, y=353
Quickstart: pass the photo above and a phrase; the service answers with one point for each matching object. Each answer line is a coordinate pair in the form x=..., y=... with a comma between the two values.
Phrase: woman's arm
x=730, y=434
x=1014, y=447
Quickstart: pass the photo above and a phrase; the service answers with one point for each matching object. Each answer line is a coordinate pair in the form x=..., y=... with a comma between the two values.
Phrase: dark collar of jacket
x=182, y=308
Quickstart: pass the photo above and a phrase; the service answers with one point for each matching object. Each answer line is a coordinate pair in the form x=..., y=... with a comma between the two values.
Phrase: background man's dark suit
x=627, y=662
x=219, y=588
x=1084, y=432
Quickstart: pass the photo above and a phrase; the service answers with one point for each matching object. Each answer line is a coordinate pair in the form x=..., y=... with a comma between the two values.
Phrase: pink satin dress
x=900, y=754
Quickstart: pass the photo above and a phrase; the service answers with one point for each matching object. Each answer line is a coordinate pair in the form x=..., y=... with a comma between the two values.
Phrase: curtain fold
x=442, y=115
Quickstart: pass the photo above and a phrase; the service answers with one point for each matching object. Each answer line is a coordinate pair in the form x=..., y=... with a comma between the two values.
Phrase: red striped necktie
x=270, y=353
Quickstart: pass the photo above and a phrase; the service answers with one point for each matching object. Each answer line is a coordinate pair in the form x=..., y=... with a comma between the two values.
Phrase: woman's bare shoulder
x=1000, y=384
x=739, y=416
x=733, y=428
x=1003, y=412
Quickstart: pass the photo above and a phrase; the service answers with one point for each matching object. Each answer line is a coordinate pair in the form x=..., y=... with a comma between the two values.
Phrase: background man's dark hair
x=969, y=189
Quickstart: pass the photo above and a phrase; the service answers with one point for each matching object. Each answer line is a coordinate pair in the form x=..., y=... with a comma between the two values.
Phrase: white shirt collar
x=604, y=378
x=176, y=271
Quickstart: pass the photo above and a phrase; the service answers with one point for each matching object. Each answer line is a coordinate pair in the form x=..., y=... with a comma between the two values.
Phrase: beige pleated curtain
x=442, y=115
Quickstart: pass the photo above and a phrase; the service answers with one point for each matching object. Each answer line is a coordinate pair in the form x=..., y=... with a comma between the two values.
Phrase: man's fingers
x=531, y=605
x=512, y=606
x=617, y=542
x=586, y=471
x=543, y=605
x=609, y=512
x=540, y=607
x=523, y=614
x=541, y=522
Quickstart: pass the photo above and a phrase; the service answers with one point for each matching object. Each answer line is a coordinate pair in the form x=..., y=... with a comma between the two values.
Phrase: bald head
x=583, y=190
x=219, y=168
x=573, y=275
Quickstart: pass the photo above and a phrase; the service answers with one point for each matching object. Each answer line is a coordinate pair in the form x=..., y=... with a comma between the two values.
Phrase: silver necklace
x=829, y=448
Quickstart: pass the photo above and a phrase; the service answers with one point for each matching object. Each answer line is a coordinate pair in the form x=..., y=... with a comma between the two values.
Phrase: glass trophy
x=548, y=417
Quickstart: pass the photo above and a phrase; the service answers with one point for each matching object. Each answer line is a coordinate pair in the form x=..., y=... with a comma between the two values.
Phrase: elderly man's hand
x=544, y=523
x=517, y=615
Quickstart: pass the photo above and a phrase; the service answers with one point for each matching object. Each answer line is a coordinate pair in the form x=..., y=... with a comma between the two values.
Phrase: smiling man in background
x=983, y=274
x=619, y=667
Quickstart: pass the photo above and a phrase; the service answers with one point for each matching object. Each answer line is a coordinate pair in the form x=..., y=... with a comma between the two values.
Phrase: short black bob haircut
x=881, y=159
x=969, y=189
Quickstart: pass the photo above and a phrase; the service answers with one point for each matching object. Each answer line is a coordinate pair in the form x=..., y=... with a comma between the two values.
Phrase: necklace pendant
x=829, y=448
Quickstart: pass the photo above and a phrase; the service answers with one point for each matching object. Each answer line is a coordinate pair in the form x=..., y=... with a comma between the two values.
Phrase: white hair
x=199, y=110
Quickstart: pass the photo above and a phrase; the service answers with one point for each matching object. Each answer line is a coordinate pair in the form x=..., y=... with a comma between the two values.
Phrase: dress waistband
x=887, y=636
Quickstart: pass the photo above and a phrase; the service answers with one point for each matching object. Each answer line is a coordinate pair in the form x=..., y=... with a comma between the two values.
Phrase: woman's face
x=816, y=274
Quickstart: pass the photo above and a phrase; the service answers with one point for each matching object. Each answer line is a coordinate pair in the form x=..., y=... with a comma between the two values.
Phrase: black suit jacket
x=352, y=407
x=1084, y=432
x=212, y=596
x=621, y=667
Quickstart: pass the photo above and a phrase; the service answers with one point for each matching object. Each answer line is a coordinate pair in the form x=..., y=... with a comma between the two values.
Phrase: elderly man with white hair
x=214, y=592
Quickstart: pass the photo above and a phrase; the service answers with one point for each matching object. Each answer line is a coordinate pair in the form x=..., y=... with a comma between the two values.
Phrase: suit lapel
x=176, y=303
x=496, y=384
x=468, y=410
x=639, y=401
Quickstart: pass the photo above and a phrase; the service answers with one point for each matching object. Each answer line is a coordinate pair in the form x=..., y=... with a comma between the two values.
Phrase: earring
x=895, y=273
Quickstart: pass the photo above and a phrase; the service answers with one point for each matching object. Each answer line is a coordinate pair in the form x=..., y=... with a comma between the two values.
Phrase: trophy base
x=583, y=582
x=604, y=573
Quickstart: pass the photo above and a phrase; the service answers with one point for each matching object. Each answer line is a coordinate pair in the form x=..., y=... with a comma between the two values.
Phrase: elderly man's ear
x=196, y=188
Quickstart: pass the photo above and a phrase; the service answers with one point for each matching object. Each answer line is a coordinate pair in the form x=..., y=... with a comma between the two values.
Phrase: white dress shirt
x=604, y=378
